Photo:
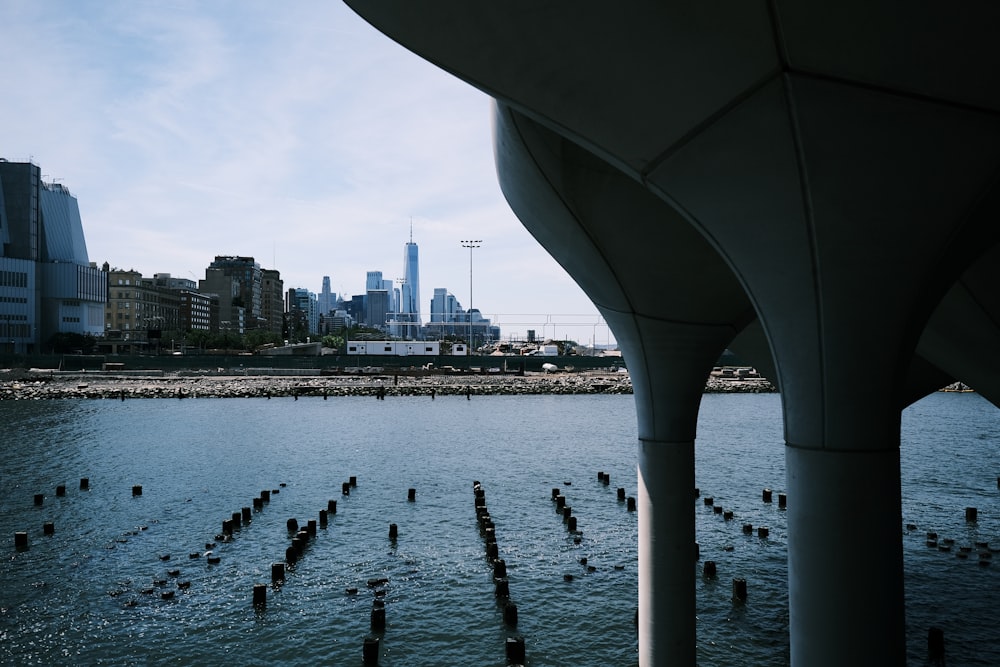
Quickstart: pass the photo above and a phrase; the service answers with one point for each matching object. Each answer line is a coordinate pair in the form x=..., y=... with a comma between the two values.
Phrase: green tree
x=258, y=337
x=365, y=333
x=197, y=338
x=335, y=342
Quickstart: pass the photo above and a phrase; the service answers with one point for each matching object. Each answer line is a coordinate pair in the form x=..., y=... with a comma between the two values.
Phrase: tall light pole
x=471, y=245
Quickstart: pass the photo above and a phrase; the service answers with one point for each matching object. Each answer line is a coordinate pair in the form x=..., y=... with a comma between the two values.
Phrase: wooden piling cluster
x=234, y=523
x=372, y=642
x=501, y=584
x=231, y=526
x=710, y=568
x=628, y=500
x=302, y=535
x=605, y=479
x=763, y=532
x=767, y=496
x=159, y=582
x=982, y=549
x=563, y=508
x=21, y=542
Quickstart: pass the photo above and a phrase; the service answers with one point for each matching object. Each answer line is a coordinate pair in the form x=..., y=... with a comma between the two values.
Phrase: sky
x=292, y=132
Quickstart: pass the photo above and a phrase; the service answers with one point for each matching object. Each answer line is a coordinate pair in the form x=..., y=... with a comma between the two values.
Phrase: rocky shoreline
x=19, y=384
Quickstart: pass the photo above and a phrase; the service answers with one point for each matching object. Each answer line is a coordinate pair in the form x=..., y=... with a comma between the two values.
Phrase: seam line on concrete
x=807, y=211
x=710, y=120
x=840, y=450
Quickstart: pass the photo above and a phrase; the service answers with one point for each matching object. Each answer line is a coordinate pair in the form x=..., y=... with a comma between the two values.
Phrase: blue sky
x=293, y=132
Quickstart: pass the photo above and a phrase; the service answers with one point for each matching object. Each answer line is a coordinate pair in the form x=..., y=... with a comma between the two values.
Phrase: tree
x=335, y=342
x=255, y=338
x=197, y=338
x=365, y=333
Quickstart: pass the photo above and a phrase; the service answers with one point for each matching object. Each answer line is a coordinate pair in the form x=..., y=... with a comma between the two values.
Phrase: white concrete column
x=845, y=564
x=666, y=554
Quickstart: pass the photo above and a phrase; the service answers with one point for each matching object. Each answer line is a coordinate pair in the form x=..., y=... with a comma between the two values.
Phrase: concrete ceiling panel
x=982, y=279
x=938, y=49
x=626, y=80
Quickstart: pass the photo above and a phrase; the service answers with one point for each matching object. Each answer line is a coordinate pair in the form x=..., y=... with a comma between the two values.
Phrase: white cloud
x=291, y=132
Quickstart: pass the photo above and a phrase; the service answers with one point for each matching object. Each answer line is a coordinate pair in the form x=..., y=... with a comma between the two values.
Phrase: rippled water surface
x=91, y=593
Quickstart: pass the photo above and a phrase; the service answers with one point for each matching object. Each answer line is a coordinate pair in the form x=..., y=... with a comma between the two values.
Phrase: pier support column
x=668, y=364
x=666, y=553
x=845, y=564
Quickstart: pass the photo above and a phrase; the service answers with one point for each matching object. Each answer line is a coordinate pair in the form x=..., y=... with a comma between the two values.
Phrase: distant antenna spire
x=411, y=229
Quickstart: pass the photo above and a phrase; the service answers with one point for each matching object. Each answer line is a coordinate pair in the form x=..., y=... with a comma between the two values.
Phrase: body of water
x=92, y=592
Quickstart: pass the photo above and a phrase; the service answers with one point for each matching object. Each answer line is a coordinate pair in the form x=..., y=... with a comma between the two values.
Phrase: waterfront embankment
x=20, y=384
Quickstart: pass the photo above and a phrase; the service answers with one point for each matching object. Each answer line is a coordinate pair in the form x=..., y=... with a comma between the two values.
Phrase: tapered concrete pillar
x=666, y=554
x=845, y=558
x=669, y=364
x=568, y=198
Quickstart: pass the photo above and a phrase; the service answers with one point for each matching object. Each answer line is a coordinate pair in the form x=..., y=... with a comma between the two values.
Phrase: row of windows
x=13, y=299
x=13, y=318
x=150, y=322
x=13, y=279
x=14, y=330
x=71, y=319
x=140, y=296
x=128, y=305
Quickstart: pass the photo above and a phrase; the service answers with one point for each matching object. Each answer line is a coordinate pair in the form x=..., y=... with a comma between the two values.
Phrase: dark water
x=81, y=595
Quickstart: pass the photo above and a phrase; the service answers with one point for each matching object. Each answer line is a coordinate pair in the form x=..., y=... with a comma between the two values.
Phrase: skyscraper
x=410, y=292
x=377, y=312
x=303, y=313
x=325, y=298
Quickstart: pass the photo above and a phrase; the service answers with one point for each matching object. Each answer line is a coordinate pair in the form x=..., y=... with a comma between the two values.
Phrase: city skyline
x=301, y=137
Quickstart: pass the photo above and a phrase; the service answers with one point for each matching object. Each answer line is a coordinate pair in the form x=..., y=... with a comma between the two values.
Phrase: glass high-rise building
x=410, y=289
x=47, y=283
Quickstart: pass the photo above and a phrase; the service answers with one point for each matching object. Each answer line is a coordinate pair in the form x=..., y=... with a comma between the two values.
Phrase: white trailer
x=394, y=348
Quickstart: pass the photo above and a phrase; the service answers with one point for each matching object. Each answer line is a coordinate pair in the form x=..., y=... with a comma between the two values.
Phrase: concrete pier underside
x=814, y=185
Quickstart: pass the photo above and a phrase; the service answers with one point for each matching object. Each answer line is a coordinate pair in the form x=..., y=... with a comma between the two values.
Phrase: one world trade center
x=410, y=292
